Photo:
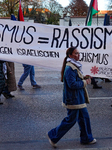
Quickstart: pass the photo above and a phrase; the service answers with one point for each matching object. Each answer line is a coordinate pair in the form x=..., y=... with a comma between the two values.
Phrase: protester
x=2, y=79
x=95, y=85
x=75, y=97
x=10, y=80
x=28, y=70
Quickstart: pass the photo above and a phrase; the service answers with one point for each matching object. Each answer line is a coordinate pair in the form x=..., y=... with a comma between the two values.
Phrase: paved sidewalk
x=25, y=119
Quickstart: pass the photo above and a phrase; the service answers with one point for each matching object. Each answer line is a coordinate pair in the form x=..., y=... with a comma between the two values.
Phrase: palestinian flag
x=20, y=13
x=93, y=9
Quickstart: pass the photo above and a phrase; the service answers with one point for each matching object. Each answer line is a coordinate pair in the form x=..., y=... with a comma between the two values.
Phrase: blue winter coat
x=74, y=93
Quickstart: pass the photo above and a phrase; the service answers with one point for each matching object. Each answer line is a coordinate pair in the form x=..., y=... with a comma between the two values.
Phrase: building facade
x=80, y=21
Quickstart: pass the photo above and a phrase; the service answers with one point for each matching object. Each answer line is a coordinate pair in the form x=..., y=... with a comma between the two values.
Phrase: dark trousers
x=73, y=115
x=93, y=81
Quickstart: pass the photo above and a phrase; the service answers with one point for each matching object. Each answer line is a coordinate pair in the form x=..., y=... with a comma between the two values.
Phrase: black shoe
x=10, y=95
x=94, y=83
x=1, y=103
x=6, y=95
x=97, y=87
x=20, y=87
x=36, y=86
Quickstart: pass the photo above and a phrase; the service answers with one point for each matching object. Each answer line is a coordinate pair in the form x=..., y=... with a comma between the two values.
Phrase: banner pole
x=90, y=6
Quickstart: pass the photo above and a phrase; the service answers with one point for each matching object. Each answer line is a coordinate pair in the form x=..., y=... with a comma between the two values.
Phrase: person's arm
x=71, y=79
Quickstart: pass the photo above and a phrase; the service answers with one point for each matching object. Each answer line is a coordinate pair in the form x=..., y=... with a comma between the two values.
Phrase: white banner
x=46, y=45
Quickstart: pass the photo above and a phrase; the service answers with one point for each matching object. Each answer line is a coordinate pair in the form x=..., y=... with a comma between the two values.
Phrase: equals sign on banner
x=43, y=40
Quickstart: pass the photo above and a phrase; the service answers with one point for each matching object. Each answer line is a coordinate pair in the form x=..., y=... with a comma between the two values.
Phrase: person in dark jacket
x=10, y=80
x=75, y=97
x=2, y=79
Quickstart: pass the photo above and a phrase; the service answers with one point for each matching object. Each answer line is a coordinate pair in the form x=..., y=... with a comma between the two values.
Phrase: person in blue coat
x=75, y=97
x=28, y=70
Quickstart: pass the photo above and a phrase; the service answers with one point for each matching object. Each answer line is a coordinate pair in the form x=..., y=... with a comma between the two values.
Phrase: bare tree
x=8, y=7
x=109, y=5
x=55, y=11
x=34, y=9
x=54, y=7
x=76, y=8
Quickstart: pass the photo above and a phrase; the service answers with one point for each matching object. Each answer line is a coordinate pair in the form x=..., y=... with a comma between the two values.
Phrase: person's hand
x=87, y=77
x=88, y=81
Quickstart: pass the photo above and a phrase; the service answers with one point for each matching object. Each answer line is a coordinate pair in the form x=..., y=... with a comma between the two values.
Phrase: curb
x=106, y=148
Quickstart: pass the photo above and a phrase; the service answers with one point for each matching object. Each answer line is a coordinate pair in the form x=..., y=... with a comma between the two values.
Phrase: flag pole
x=90, y=6
x=97, y=19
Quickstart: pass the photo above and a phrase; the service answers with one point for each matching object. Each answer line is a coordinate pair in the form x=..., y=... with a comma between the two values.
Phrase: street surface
x=25, y=119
